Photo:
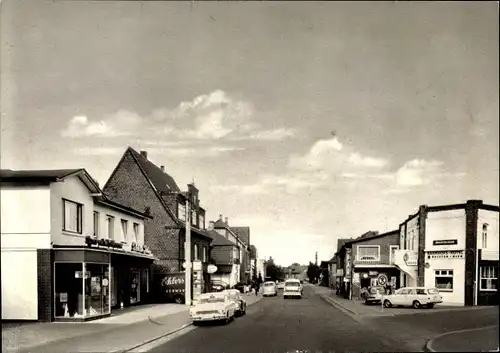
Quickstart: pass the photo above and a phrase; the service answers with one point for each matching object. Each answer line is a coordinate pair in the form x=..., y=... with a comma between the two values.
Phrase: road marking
x=429, y=343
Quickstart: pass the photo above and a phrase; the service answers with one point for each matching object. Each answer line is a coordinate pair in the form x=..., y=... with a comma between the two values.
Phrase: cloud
x=273, y=135
x=122, y=123
x=418, y=172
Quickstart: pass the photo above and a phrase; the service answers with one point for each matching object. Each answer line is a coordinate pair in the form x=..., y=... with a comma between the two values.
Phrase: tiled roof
x=161, y=180
x=243, y=233
x=34, y=175
x=372, y=235
x=220, y=224
x=218, y=240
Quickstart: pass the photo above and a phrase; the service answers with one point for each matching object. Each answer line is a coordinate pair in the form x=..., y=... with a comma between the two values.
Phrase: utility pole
x=316, y=259
x=188, y=269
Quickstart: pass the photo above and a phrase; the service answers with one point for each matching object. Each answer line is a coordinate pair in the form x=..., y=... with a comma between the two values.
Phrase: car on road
x=292, y=288
x=240, y=303
x=416, y=297
x=269, y=289
x=280, y=285
x=215, y=306
x=374, y=295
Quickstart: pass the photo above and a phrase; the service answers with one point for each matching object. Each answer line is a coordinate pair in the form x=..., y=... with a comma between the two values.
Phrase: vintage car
x=240, y=303
x=416, y=297
x=215, y=306
x=374, y=295
x=269, y=289
x=293, y=289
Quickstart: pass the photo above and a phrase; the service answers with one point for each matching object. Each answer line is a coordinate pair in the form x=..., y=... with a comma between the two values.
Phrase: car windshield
x=433, y=291
x=376, y=290
x=268, y=284
x=211, y=300
x=292, y=284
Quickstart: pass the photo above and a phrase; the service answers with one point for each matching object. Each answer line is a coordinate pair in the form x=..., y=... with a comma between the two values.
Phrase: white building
x=261, y=268
x=453, y=248
x=68, y=253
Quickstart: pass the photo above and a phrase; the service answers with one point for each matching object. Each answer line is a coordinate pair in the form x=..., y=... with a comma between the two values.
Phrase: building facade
x=225, y=255
x=453, y=248
x=68, y=252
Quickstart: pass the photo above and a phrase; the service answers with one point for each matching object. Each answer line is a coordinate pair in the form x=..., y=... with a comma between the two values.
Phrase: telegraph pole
x=187, y=251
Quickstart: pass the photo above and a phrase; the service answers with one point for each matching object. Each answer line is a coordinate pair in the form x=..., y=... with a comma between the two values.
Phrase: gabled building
x=138, y=182
x=69, y=253
x=243, y=233
x=223, y=254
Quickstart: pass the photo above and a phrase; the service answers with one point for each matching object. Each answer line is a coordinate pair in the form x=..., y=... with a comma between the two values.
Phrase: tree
x=313, y=272
x=273, y=271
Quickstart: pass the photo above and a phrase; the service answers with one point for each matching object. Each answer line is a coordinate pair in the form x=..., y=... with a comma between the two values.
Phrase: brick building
x=137, y=182
x=225, y=255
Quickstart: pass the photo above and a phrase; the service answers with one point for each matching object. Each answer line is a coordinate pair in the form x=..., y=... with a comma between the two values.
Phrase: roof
x=373, y=235
x=220, y=224
x=243, y=233
x=218, y=240
x=162, y=181
x=333, y=259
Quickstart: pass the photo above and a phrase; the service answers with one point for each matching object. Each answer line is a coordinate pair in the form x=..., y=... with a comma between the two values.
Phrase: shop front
x=366, y=277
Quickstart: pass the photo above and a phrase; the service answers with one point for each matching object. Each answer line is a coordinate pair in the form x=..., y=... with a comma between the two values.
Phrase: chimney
x=162, y=167
x=211, y=225
x=144, y=154
x=220, y=216
x=226, y=220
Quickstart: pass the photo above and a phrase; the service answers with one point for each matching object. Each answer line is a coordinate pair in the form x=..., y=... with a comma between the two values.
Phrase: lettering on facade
x=172, y=281
x=348, y=263
x=445, y=242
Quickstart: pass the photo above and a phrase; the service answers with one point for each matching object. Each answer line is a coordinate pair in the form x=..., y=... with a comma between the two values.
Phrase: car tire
x=387, y=304
x=285, y=297
x=416, y=304
x=196, y=323
x=430, y=306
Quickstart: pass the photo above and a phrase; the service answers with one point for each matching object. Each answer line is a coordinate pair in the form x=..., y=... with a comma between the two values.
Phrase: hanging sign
x=211, y=268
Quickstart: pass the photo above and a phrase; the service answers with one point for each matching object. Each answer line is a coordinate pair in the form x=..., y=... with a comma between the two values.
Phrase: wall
x=71, y=189
x=384, y=243
x=445, y=225
x=222, y=255
x=456, y=296
x=127, y=243
x=490, y=217
x=128, y=186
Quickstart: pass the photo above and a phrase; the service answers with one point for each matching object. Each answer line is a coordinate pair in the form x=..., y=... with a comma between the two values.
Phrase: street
x=278, y=325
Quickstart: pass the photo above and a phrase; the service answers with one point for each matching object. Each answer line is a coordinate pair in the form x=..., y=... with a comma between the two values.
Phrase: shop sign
x=212, y=269
x=445, y=242
x=197, y=265
x=372, y=273
x=340, y=272
x=172, y=281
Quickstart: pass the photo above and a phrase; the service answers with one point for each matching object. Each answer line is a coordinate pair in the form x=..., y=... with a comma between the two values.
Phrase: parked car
x=292, y=288
x=240, y=286
x=215, y=306
x=240, y=303
x=280, y=285
x=269, y=289
x=218, y=286
x=374, y=295
x=416, y=297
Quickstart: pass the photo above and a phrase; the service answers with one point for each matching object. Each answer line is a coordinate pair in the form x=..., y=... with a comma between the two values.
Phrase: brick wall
x=383, y=242
x=129, y=186
x=201, y=242
x=45, y=270
x=222, y=255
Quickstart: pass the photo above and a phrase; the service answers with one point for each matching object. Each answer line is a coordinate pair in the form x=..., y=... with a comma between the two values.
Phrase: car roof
x=292, y=280
x=231, y=291
x=212, y=294
x=269, y=282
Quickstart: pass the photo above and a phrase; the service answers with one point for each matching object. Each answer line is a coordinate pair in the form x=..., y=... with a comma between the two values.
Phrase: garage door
x=19, y=285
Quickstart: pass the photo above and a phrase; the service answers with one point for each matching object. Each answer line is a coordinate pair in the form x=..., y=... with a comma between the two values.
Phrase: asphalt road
x=278, y=325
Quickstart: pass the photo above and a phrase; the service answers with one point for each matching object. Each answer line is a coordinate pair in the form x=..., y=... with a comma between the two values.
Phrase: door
x=400, y=297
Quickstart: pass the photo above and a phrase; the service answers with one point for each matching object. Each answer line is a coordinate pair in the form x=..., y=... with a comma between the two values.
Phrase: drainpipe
x=476, y=283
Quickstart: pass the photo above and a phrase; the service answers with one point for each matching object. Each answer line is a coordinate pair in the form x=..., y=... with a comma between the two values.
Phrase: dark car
x=218, y=286
x=240, y=286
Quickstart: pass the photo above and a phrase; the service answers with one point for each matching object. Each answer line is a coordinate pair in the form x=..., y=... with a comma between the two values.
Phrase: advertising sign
x=445, y=242
x=211, y=269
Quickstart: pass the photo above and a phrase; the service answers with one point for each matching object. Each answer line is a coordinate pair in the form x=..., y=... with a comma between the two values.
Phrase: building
x=253, y=261
x=342, y=265
x=68, y=252
x=243, y=233
x=261, y=268
x=241, y=260
x=373, y=261
x=332, y=272
x=453, y=248
x=225, y=255
x=139, y=183
x=295, y=271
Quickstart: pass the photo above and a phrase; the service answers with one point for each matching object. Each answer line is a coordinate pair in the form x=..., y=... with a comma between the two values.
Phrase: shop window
x=444, y=280
x=96, y=224
x=195, y=251
x=205, y=254
x=368, y=253
x=124, y=223
x=489, y=278
x=135, y=286
x=110, y=226
x=72, y=217
x=135, y=232
x=97, y=296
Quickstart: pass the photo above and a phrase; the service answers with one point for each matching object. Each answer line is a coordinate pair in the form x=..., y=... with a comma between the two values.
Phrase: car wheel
x=284, y=297
x=227, y=319
x=430, y=306
x=387, y=304
x=416, y=304
x=179, y=299
x=367, y=302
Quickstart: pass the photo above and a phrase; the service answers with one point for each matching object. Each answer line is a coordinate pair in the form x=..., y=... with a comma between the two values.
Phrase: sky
x=306, y=121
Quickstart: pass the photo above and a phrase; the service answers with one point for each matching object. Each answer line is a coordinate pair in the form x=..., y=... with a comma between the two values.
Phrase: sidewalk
x=358, y=308
x=476, y=340
x=113, y=334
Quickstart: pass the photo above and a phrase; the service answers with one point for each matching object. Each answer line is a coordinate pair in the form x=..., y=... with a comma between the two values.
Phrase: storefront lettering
x=171, y=281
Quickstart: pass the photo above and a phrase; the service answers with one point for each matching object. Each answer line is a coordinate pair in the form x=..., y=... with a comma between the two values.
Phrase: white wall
x=457, y=296
x=25, y=217
x=103, y=211
x=19, y=285
x=72, y=189
x=445, y=225
x=491, y=218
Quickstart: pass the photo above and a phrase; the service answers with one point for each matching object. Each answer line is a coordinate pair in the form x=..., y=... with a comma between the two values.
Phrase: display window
x=81, y=289
x=135, y=286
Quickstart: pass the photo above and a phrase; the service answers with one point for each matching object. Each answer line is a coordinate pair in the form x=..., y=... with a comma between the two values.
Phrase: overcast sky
x=305, y=121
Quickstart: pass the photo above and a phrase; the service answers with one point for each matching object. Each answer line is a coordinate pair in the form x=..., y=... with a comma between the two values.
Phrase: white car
x=416, y=297
x=280, y=286
x=292, y=288
x=217, y=306
x=269, y=288
x=240, y=307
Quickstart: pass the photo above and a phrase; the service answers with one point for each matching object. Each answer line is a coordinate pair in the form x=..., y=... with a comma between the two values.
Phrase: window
x=489, y=278
x=72, y=218
x=124, y=230
x=205, y=254
x=195, y=251
x=201, y=222
x=194, y=217
x=181, y=211
x=136, y=232
x=110, y=226
x=392, y=255
x=444, y=280
x=368, y=253
x=485, y=235
x=96, y=224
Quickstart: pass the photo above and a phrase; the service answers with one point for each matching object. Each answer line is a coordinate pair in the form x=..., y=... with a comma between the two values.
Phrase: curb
x=189, y=324
x=337, y=304
x=428, y=346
